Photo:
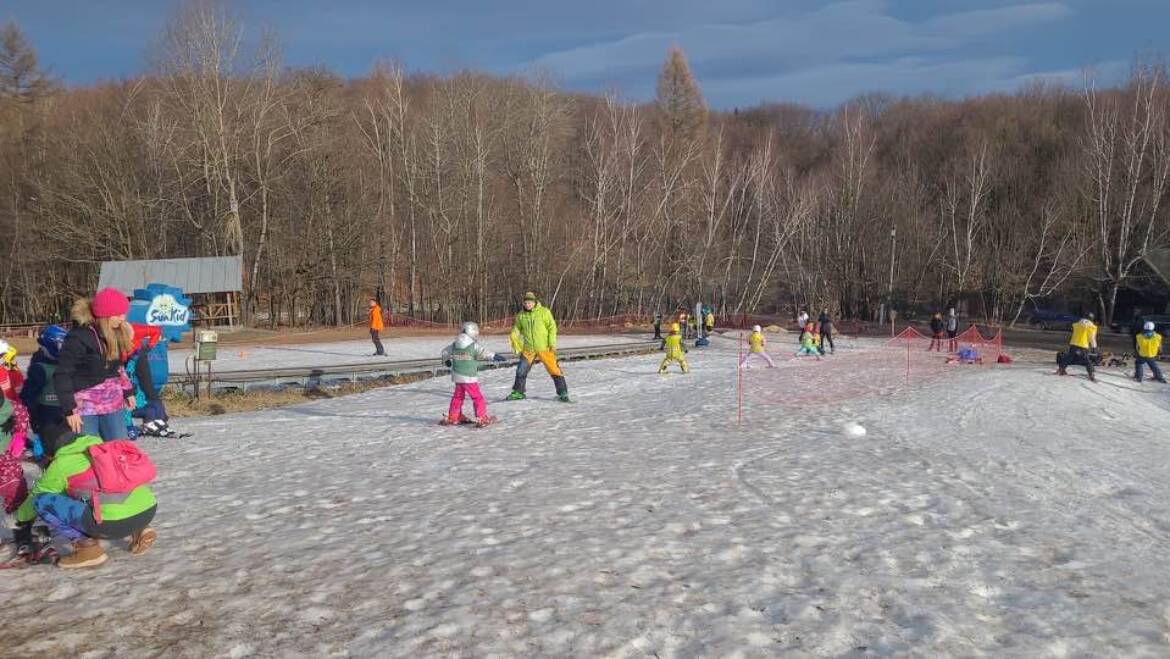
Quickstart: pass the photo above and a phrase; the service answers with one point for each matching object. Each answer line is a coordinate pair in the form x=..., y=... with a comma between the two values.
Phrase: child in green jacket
x=809, y=342
x=59, y=500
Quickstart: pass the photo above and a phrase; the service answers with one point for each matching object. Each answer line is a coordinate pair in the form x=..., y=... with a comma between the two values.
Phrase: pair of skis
x=41, y=552
x=464, y=421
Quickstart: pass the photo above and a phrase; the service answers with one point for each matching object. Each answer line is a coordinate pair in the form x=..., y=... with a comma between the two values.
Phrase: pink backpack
x=116, y=468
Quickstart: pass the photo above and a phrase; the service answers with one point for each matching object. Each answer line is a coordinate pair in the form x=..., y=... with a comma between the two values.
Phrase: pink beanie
x=109, y=302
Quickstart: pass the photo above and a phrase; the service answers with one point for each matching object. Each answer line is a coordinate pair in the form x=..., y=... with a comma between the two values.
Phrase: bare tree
x=1127, y=167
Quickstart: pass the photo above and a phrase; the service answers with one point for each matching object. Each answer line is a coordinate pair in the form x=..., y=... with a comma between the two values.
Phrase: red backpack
x=116, y=468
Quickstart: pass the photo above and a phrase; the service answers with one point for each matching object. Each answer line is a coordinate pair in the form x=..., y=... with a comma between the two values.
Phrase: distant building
x=214, y=283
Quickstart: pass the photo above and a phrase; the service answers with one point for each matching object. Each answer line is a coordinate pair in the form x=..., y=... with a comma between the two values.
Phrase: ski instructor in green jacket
x=534, y=336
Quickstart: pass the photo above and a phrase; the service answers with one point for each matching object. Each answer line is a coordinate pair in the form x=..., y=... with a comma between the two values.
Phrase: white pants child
x=763, y=355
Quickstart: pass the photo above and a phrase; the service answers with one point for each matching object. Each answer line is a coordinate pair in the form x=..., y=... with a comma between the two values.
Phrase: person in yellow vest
x=756, y=343
x=675, y=350
x=1149, y=346
x=709, y=321
x=1083, y=340
x=376, y=326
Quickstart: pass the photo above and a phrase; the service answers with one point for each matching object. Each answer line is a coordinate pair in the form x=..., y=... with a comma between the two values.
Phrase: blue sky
x=815, y=52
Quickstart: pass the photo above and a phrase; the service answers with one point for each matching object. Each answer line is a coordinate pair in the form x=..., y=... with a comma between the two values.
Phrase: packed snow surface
x=996, y=510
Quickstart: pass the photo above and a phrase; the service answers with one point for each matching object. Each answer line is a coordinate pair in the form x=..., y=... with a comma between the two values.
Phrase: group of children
x=815, y=335
x=71, y=416
x=810, y=345
x=689, y=325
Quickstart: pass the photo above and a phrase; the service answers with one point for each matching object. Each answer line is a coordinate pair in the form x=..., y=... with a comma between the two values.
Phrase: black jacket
x=826, y=323
x=937, y=325
x=38, y=394
x=81, y=365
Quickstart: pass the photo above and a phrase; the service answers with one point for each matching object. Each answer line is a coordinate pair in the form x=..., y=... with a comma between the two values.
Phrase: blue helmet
x=51, y=339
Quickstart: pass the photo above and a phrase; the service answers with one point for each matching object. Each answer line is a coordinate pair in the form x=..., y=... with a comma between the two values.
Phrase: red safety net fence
x=747, y=321
x=619, y=323
x=884, y=367
x=968, y=347
x=402, y=320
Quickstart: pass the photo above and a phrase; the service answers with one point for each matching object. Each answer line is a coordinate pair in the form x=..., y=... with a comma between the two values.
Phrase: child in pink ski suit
x=463, y=357
x=11, y=380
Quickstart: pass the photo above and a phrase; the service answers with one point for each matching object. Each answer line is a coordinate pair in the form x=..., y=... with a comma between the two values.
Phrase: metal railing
x=315, y=376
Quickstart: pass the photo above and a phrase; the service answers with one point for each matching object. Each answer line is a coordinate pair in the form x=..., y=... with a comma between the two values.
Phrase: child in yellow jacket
x=756, y=342
x=675, y=350
x=1149, y=345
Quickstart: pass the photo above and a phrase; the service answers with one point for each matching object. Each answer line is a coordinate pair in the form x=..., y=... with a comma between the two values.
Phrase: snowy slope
x=1000, y=511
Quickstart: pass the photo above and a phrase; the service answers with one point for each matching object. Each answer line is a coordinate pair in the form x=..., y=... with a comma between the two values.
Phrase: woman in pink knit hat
x=91, y=383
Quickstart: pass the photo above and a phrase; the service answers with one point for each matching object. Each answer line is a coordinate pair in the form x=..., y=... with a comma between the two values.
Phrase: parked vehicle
x=1046, y=319
x=1161, y=323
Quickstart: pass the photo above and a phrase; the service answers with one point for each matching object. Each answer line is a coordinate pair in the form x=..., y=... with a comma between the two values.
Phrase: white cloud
x=1102, y=74
x=982, y=22
x=832, y=84
x=833, y=52
x=854, y=28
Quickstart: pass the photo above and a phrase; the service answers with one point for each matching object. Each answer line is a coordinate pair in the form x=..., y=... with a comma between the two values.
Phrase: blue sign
x=166, y=308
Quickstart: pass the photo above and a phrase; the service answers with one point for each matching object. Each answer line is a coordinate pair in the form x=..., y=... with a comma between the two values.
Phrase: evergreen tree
x=681, y=105
x=21, y=77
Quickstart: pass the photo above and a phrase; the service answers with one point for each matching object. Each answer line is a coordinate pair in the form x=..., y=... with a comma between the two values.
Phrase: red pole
x=907, y=358
x=739, y=382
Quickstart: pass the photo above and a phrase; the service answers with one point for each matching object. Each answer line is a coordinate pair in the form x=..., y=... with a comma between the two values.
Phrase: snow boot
x=87, y=552
x=515, y=395
x=22, y=537
x=564, y=398
x=485, y=421
x=141, y=541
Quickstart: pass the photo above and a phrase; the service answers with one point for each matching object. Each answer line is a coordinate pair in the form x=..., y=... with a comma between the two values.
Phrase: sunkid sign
x=166, y=311
x=166, y=308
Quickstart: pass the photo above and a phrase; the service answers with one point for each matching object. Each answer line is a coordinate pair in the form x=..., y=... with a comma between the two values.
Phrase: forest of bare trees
x=455, y=194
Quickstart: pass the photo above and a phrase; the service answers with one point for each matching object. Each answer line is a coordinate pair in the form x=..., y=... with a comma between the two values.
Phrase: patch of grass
x=182, y=404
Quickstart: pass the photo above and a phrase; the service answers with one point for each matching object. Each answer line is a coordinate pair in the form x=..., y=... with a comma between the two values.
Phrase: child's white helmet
x=1149, y=326
x=756, y=328
x=471, y=329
